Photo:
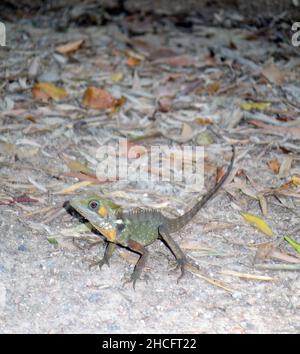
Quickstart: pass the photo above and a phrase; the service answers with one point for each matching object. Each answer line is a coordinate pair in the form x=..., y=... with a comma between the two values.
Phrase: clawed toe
x=135, y=276
x=100, y=263
x=180, y=264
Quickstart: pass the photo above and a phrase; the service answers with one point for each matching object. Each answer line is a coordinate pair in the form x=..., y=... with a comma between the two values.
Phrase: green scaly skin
x=138, y=229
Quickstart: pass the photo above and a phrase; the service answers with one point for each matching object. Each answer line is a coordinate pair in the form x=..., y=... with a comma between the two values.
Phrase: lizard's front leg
x=176, y=250
x=107, y=254
x=140, y=249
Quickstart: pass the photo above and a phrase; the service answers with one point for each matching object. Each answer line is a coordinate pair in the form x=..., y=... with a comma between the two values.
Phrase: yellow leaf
x=259, y=106
x=117, y=76
x=295, y=180
x=46, y=90
x=259, y=223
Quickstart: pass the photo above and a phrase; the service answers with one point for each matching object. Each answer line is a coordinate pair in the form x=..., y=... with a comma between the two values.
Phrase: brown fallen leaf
x=270, y=250
x=177, y=61
x=274, y=74
x=294, y=132
x=69, y=47
x=98, y=98
x=165, y=104
x=274, y=166
x=213, y=88
x=43, y=91
x=263, y=251
x=133, y=61
x=204, y=121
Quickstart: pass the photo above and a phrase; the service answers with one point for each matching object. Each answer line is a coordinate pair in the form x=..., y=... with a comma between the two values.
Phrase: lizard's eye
x=93, y=204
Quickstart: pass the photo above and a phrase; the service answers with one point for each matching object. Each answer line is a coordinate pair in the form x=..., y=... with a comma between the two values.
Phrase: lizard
x=137, y=229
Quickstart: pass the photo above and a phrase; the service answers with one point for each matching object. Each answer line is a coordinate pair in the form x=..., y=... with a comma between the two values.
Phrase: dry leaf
x=274, y=74
x=259, y=223
x=285, y=168
x=98, y=98
x=271, y=129
x=45, y=90
x=263, y=204
x=77, y=166
x=213, y=88
x=259, y=106
x=117, y=76
x=186, y=132
x=274, y=166
x=295, y=180
x=69, y=47
x=133, y=61
x=264, y=251
x=180, y=60
x=165, y=104
x=204, y=121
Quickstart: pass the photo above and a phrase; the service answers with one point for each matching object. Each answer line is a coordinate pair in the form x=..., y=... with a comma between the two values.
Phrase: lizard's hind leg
x=107, y=255
x=176, y=250
x=140, y=265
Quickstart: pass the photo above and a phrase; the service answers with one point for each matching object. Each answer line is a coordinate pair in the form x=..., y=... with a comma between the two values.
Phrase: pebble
x=22, y=248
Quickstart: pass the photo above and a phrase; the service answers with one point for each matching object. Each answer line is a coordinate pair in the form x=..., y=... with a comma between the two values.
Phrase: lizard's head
x=101, y=213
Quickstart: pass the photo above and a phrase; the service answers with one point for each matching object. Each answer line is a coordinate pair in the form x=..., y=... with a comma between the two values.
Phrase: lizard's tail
x=179, y=222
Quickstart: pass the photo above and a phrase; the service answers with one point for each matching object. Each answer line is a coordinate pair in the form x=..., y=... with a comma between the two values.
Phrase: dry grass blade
x=196, y=271
x=246, y=275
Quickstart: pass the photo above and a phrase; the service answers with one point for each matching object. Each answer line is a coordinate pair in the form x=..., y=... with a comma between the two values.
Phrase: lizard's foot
x=100, y=263
x=135, y=276
x=180, y=263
